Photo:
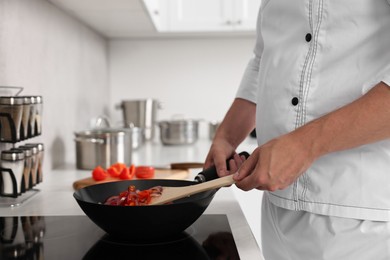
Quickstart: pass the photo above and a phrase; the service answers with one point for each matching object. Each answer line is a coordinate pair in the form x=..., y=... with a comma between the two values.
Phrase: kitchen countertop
x=54, y=195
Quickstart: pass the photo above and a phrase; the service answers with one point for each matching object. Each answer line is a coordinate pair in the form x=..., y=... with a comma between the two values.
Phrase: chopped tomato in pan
x=134, y=197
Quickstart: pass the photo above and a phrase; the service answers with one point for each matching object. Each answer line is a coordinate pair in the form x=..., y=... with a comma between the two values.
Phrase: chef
x=317, y=92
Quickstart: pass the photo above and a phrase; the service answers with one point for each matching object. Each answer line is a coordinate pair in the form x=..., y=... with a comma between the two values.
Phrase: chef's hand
x=221, y=150
x=275, y=165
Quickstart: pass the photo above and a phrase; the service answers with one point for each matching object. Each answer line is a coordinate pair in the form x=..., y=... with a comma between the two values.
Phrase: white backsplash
x=193, y=78
x=49, y=53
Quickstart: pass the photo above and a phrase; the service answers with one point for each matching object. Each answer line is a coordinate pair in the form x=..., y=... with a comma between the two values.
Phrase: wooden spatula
x=174, y=193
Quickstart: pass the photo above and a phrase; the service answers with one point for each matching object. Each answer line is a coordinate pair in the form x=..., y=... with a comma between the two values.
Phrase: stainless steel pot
x=179, y=132
x=141, y=113
x=103, y=147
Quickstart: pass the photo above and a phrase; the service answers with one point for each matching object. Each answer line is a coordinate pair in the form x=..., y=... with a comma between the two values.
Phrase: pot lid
x=103, y=132
x=179, y=121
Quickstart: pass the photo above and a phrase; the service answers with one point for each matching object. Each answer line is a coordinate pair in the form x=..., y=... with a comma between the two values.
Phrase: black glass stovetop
x=77, y=237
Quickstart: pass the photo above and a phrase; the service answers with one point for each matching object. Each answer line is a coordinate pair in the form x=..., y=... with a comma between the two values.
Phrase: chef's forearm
x=364, y=121
x=239, y=121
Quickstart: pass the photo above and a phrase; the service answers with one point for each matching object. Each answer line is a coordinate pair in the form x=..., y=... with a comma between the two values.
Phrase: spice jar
x=12, y=164
x=39, y=159
x=26, y=107
x=31, y=123
x=38, y=115
x=11, y=109
x=26, y=184
x=34, y=164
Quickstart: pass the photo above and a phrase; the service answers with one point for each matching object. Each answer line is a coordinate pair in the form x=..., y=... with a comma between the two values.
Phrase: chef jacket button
x=308, y=37
x=294, y=101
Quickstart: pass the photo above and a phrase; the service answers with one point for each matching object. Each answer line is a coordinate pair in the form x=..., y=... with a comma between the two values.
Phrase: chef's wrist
x=314, y=139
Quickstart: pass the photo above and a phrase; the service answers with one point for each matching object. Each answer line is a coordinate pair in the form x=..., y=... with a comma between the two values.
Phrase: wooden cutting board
x=176, y=174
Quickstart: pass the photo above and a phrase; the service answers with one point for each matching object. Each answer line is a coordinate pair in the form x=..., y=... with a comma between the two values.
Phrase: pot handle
x=211, y=173
x=92, y=140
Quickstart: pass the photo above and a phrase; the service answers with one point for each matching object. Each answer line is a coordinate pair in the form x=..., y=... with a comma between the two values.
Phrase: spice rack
x=20, y=164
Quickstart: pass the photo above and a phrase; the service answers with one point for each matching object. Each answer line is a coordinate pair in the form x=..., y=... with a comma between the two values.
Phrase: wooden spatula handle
x=174, y=193
x=213, y=184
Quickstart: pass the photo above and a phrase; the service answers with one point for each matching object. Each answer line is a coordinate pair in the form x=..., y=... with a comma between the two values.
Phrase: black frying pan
x=145, y=223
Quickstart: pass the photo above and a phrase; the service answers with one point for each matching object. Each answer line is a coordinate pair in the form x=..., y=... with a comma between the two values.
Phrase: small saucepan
x=145, y=223
x=179, y=131
x=104, y=145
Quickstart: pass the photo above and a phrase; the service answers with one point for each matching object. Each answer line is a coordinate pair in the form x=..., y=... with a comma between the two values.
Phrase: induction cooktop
x=77, y=237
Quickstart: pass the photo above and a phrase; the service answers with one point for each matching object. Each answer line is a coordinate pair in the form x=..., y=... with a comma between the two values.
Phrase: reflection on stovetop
x=76, y=237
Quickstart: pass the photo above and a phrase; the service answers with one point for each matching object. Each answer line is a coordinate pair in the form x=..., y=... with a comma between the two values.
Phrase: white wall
x=51, y=54
x=196, y=78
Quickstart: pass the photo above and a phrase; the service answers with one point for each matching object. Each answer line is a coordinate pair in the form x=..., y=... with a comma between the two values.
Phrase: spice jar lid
x=27, y=151
x=11, y=101
x=39, y=146
x=12, y=155
x=22, y=98
x=33, y=149
x=32, y=99
x=38, y=99
x=26, y=100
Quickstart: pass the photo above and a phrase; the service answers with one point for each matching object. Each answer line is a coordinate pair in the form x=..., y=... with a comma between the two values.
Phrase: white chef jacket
x=312, y=57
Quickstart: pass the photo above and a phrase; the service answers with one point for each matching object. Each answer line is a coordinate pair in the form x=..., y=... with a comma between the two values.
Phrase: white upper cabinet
x=245, y=13
x=203, y=15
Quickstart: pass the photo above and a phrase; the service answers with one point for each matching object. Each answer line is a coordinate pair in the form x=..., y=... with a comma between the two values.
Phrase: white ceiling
x=111, y=18
x=121, y=18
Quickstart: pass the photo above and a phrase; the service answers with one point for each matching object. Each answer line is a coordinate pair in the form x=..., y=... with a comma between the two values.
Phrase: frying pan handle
x=211, y=173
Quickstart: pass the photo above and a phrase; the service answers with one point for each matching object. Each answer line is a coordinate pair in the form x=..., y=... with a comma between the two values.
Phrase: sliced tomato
x=134, y=197
x=123, y=194
x=144, y=196
x=99, y=174
x=113, y=171
x=144, y=172
x=132, y=170
x=119, y=166
x=126, y=174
